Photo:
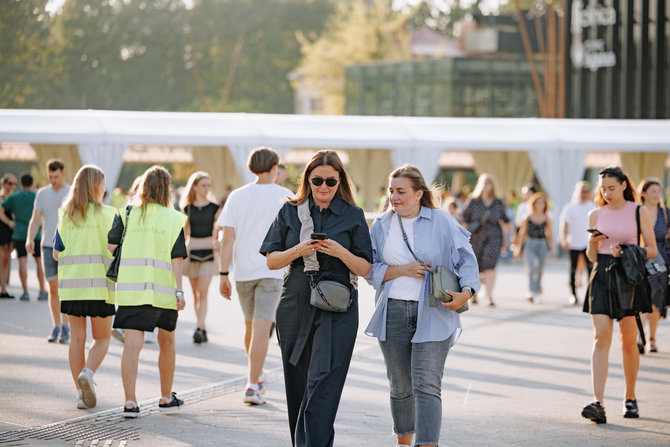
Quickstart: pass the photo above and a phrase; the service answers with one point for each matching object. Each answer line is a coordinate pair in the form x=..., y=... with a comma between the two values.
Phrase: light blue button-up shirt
x=438, y=240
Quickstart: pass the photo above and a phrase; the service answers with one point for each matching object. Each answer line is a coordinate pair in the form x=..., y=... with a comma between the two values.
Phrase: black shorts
x=145, y=318
x=21, y=252
x=87, y=308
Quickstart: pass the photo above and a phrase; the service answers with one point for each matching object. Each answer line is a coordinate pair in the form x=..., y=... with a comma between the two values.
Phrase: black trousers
x=315, y=381
x=574, y=257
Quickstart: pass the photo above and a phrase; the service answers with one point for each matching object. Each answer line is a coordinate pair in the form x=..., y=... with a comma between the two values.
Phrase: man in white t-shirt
x=245, y=219
x=45, y=215
x=574, y=222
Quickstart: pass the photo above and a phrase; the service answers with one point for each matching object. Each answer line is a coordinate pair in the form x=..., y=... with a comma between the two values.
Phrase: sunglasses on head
x=318, y=181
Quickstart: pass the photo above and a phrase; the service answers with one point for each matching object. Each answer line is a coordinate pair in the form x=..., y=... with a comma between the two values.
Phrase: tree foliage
x=153, y=54
x=29, y=58
x=358, y=31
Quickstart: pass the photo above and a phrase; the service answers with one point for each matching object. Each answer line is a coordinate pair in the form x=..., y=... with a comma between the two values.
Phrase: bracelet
x=295, y=247
x=223, y=273
x=179, y=293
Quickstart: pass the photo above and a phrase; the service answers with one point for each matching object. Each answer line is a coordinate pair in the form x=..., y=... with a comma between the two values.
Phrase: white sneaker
x=80, y=404
x=252, y=397
x=86, y=384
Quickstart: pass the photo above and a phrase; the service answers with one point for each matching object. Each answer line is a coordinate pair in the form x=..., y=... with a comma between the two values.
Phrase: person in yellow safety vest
x=149, y=286
x=80, y=247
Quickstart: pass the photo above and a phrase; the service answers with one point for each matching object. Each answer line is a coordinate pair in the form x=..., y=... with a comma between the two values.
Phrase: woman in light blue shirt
x=414, y=337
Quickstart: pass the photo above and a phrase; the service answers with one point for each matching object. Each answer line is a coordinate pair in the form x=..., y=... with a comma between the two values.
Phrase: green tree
x=251, y=47
x=29, y=57
x=123, y=55
x=358, y=31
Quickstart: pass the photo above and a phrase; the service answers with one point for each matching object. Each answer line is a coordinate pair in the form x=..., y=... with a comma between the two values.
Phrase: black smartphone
x=595, y=232
x=318, y=236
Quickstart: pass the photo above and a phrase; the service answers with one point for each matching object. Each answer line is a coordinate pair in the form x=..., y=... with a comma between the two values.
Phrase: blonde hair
x=481, y=183
x=84, y=191
x=413, y=174
x=321, y=158
x=188, y=196
x=154, y=187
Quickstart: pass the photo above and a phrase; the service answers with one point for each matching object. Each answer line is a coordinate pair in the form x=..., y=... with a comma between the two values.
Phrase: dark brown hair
x=412, y=173
x=616, y=173
x=262, y=159
x=644, y=186
x=321, y=158
x=55, y=164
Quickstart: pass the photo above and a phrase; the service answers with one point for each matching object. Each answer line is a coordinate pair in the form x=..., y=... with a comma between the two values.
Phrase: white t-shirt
x=250, y=210
x=576, y=216
x=396, y=253
x=48, y=200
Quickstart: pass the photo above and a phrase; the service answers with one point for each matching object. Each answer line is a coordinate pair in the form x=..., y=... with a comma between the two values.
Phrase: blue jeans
x=415, y=375
x=536, y=253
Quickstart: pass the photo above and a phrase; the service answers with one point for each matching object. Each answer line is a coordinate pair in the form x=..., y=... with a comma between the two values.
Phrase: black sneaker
x=630, y=409
x=133, y=412
x=204, y=336
x=595, y=412
x=174, y=405
x=6, y=295
x=197, y=336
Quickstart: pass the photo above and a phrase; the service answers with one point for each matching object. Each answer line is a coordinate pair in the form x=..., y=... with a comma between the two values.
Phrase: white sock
x=261, y=378
x=78, y=393
x=253, y=386
x=87, y=371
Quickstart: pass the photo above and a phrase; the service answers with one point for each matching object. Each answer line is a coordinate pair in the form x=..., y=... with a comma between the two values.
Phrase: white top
x=396, y=253
x=250, y=210
x=48, y=200
x=576, y=216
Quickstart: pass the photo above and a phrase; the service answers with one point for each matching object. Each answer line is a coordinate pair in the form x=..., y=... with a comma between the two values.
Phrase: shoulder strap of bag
x=404, y=236
x=637, y=221
x=123, y=234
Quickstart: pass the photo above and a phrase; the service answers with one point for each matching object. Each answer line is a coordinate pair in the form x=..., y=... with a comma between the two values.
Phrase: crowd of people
x=296, y=259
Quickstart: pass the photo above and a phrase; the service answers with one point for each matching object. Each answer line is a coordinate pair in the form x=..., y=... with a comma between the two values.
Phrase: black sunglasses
x=318, y=181
x=11, y=183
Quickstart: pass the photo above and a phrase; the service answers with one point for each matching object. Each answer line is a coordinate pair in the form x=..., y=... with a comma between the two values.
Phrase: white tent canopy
x=556, y=147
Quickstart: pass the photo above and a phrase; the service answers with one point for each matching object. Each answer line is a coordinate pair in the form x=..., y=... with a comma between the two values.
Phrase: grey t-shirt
x=48, y=200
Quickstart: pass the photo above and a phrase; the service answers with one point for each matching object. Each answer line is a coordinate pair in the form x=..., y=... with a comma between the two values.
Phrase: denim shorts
x=49, y=263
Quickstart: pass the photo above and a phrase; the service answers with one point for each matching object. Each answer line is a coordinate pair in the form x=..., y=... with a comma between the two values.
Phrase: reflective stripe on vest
x=138, y=287
x=142, y=262
x=85, y=283
x=85, y=259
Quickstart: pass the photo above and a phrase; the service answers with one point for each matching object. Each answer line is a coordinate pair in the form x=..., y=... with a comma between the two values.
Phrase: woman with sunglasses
x=8, y=185
x=616, y=223
x=316, y=344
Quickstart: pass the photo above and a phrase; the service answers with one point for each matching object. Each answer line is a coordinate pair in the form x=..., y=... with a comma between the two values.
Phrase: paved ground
x=518, y=376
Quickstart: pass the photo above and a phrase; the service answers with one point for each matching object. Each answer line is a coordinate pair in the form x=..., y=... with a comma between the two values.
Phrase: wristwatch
x=179, y=293
x=223, y=273
x=469, y=290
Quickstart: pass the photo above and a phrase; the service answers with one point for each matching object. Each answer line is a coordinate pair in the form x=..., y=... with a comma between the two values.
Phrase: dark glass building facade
x=619, y=61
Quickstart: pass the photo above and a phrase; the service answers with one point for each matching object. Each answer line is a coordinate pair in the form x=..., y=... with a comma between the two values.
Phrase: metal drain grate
x=73, y=431
x=108, y=425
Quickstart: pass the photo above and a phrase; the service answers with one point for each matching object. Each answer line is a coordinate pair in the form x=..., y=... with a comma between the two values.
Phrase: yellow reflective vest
x=145, y=270
x=83, y=263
